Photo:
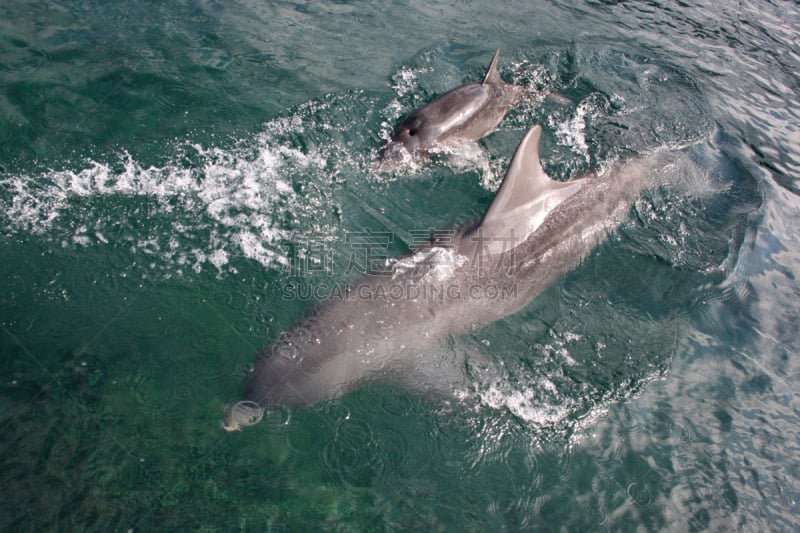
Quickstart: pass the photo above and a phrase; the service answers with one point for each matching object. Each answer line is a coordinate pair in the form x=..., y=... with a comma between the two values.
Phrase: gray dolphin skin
x=470, y=112
x=384, y=327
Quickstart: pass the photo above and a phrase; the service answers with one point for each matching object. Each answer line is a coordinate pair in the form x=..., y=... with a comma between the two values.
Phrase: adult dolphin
x=534, y=230
x=469, y=112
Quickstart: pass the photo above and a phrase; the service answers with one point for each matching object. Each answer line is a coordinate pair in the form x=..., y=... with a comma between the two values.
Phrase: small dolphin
x=469, y=112
x=384, y=327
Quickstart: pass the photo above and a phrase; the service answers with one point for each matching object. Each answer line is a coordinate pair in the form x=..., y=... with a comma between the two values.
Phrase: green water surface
x=168, y=169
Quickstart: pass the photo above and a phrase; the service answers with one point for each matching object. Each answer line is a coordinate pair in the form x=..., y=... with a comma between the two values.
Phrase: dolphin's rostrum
x=468, y=112
x=534, y=230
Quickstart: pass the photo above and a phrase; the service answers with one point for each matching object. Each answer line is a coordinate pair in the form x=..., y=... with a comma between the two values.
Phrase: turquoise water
x=168, y=169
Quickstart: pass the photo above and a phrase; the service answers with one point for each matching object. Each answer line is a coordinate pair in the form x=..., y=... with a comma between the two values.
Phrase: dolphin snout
x=241, y=414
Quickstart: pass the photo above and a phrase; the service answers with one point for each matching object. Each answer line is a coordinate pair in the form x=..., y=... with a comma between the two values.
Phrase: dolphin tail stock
x=492, y=76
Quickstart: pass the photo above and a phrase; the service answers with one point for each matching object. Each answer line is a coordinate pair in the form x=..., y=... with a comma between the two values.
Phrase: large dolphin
x=534, y=230
x=469, y=112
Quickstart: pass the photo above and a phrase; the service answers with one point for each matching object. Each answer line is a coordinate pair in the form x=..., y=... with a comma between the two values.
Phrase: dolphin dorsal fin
x=526, y=184
x=492, y=76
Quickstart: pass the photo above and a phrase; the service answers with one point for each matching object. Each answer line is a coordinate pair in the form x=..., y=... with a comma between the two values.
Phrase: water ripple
x=358, y=454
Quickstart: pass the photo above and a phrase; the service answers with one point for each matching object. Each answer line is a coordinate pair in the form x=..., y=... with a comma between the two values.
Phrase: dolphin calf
x=381, y=327
x=470, y=112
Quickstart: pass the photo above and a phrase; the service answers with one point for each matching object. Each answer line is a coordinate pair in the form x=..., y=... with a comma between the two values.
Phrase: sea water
x=168, y=170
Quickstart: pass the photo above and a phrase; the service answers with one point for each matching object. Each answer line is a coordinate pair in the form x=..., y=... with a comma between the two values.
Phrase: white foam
x=407, y=79
x=527, y=405
x=253, y=248
x=83, y=240
x=404, y=82
x=200, y=258
x=463, y=155
x=572, y=132
x=218, y=258
x=243, y=192
x=442, y=263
